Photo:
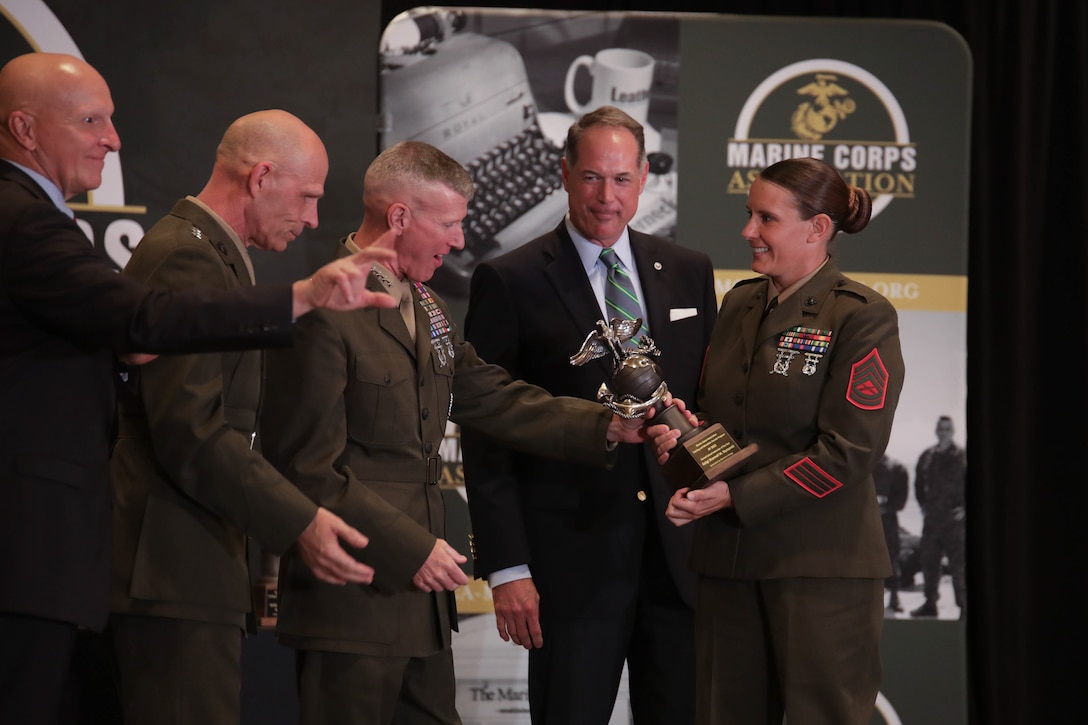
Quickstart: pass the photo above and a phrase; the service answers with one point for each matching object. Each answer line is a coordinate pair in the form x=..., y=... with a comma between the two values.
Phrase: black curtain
x=1026, y=333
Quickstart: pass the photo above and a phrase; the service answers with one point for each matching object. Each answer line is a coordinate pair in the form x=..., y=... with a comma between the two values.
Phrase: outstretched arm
x=341, y=284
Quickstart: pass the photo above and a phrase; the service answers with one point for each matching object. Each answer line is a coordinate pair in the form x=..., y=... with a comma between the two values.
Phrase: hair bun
x=861, y=208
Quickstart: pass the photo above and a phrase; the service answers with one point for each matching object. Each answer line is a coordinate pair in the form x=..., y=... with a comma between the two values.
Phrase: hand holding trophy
x=701, y=455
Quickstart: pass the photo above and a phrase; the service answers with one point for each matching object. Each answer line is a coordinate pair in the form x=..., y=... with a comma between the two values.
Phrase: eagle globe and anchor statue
x=702, y=455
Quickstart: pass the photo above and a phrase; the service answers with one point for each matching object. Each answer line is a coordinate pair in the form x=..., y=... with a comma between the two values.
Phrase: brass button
x=641, y=495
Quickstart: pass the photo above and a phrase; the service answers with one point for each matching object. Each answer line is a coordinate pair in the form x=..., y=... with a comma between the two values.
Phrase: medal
x=440, y=328
x=782, y=361
x=808, y=340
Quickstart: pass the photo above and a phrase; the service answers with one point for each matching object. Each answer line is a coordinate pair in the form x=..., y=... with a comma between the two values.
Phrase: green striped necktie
x=619, y=292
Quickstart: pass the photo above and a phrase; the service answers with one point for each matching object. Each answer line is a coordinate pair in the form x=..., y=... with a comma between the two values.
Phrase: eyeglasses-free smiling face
x=784, y=246
x=603, y=186
x=73, y=130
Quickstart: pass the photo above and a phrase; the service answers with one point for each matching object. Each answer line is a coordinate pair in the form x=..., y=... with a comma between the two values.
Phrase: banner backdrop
x=721, y=97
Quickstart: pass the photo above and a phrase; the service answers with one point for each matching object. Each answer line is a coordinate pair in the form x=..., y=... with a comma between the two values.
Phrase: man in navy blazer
x=584, y=569
x=65, y=314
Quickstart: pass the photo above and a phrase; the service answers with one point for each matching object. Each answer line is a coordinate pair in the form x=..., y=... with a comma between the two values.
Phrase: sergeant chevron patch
x=812, y=478
x=868, y=382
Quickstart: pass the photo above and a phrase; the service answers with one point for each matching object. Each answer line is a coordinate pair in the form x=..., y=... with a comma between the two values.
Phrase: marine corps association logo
x=42, y=31
x=830, y=110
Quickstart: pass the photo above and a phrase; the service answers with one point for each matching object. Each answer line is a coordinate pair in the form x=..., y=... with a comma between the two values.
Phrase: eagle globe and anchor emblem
x=702, y=455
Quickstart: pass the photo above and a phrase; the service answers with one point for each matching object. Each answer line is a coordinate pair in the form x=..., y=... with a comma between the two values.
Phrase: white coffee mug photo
x=621, y=77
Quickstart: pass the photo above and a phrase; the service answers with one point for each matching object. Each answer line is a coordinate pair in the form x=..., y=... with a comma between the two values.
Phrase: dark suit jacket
x=576, y=526
x=187, y=484
x=63, y=312
x=355, y=415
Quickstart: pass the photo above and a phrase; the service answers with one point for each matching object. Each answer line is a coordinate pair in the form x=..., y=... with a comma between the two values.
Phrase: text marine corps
x=878, y=168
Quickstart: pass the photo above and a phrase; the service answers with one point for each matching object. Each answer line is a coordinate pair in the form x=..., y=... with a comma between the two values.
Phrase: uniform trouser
x=348, y=689
x=177, y=671
x=943, y=536
x=35, y=658
x=804, y=647
x=891, y=538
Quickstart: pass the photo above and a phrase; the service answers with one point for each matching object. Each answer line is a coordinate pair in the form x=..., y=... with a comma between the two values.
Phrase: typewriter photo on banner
x=498, y=91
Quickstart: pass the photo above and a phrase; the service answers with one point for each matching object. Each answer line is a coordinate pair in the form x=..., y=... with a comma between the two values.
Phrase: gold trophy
x=702, y=455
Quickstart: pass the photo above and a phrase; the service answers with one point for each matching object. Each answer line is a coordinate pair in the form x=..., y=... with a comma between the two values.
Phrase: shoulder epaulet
x=857, y=289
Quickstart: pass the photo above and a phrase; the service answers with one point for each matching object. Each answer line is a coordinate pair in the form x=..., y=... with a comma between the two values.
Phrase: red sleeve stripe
x=812, y=478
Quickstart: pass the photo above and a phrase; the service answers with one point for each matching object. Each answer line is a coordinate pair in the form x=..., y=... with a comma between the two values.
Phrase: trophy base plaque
x=702, y=455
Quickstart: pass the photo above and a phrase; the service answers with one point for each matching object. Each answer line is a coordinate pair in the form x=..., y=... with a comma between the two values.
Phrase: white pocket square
x=682, y=313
